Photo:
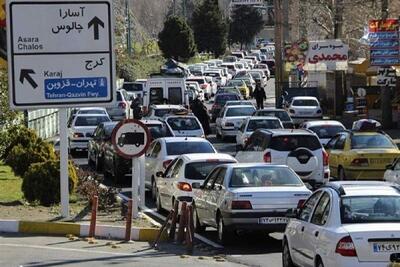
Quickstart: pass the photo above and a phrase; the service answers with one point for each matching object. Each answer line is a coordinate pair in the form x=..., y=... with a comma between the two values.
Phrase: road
x=250, y=250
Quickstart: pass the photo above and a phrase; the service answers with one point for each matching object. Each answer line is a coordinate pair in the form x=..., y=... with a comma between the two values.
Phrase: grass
x=10, y=185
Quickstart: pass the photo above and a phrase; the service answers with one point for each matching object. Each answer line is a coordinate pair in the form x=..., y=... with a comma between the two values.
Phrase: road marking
x=199, y=237
x=66, y=249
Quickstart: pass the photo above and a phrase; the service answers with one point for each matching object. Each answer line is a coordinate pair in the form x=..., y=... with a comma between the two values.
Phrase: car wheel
x=224, y=235
x=342, y=175
x=158, y=203
x=286, y=258
x=153, y=189
x=319, y=263
x=198, y=228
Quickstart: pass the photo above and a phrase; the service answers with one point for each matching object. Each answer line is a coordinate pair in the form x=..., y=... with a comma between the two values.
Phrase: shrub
x=89, y=185
x=42, y=182
x=17, y=134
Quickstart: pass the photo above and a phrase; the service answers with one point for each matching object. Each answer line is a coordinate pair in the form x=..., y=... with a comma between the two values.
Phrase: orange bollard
x=172, y=230
x=128, y=222
x=92, y=228
x=182, y=223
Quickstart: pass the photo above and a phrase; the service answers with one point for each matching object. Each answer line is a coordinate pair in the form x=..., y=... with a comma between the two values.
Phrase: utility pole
x=184, y=12
x=339, y=94
x=128, y=32
x=386, y=102
x=278, y=7
x=174, y=10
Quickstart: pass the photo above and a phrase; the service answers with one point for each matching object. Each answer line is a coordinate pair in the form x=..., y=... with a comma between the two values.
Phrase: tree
x=246, y=22
x=176, y=39
x=210, y=29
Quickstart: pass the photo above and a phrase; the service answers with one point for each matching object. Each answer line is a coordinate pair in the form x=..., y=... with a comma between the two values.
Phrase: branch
x=323, y=26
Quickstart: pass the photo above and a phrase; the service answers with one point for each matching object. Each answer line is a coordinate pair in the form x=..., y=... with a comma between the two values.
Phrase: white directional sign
x=60, y=53
x=130, y=138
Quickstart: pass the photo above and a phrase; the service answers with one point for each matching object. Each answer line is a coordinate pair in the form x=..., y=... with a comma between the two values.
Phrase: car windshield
x=90, y=120
x=327, y=131
x=199, y=81
x=255, y=75
x=263, y=124
x=221, y=99
x=188, y=147
x=183, y=124
x=305, y=103
x=292, y=142
x=239, y=103
x=370, y=209
x=158, y=131
x=264, y=176
x=200, y=170
x=282, y=115
x=108, y=129
x=235, y=83
x=371, y=141
x=92, y=111
x=242, y=111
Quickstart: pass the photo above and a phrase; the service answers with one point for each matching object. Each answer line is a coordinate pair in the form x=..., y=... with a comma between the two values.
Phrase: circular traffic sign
x=130, y=138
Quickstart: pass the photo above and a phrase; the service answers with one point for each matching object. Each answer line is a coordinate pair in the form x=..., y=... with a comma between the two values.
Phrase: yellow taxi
x=357, y=155
x=241, y=85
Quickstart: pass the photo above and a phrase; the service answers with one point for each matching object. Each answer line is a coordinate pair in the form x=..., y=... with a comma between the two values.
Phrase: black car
x=101, y=135
x=279, y=113
x=219, y=103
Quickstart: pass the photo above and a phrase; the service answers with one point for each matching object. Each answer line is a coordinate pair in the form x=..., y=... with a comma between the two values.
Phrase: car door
x=254, y=149
x=218, y=121
x=163, y=183
x=202, y=203
x=214, y=195
x=241, y=131
x=148, y=163
x=335, y=152
x=170, y=184
x=297, y=227
x=315, y=238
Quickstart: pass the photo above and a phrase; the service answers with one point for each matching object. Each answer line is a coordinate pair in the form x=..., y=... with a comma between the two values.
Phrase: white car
x=304, y=108
x=163, y=150
x=81, y=130
x=301, y=150
x=324, y=129
x=216, y=76
x=230, y=119
x=185, y=126
x=196, y=86
x=345, y=224
x=254, y=123
x=159, y=111
x=392, y=173
x=247, y=197
x=176, y=182
x=122, y=108
x=204, y=85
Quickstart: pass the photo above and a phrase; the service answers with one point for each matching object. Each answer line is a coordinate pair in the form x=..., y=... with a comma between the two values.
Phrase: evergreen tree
x=246, y=22
x=210, y=29
x=176, y=39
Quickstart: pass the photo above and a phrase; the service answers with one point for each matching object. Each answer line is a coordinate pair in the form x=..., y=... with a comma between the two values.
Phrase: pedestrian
x=137, y=108
x=259, y=95
x=200, y=111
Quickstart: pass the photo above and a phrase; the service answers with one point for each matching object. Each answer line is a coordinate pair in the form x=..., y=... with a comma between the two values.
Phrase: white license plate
x=387, y=247
x=273, y=220
x=304, y=113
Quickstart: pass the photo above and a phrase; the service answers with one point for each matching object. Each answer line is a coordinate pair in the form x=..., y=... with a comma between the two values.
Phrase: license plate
x=273, y=220
x=386, y=247
x=304, y=113
x=380, y=161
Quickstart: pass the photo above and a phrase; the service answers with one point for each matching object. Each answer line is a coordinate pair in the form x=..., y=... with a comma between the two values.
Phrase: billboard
x=384, y=42
x=327, y=55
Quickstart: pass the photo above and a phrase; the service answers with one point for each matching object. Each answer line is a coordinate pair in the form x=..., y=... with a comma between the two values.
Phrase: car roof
x=277, y=132
x=322, y=123
x=179, y=116
x=208, y=156
x=183, y=139
x=271, y=109
x=364, y=188
x=253, y=165
x=305, y=97
x=221, y=94
x=240, y=106
x=92, y=108
x=91, y=115
x=167, y=106
x=254, y=118
x=151, y=121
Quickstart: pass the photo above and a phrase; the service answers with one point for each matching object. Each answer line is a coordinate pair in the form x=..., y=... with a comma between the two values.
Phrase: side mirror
x=160, y=174
x=196, y=185
x=292, y=213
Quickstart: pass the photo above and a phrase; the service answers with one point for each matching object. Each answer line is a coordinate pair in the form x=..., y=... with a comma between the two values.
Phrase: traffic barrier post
x=189, y=229
x=172, y=230
x=182, y=222
x=163, y=227
x=93, y=218
x=128, y=222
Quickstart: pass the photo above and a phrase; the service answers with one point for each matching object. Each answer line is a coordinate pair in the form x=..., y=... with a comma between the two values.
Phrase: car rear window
x=200, y=170
x=371, y=141
x=200, y=81
x=235, y=83
x=221, y=99
x=282, y=115
x=119, y=96
x=264, y=176
x=263, y=124
x=327, y=131
x=133, y=87
x=183, y=124
x=92, y=111
x=187, y=147
x=305, y=103
x=158, y=131
x=370, y=209
x=242, y=111
x=292, y=142
x=90, y=120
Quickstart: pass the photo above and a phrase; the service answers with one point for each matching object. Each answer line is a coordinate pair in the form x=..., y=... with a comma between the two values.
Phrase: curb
x=64, y=228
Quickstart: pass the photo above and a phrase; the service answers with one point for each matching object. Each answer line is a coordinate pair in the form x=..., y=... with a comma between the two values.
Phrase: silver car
x=247, y=197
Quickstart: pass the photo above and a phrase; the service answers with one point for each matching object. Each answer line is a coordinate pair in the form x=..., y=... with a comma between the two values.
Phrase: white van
x=165, y=91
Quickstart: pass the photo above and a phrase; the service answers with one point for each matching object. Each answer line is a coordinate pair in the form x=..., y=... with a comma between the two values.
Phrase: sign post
x=131, y=138
x=65, y=60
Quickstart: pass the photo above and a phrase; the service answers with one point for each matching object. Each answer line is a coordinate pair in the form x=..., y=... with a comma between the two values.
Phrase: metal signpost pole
x=64, y=188
x=142, y=181
x=135, y=186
